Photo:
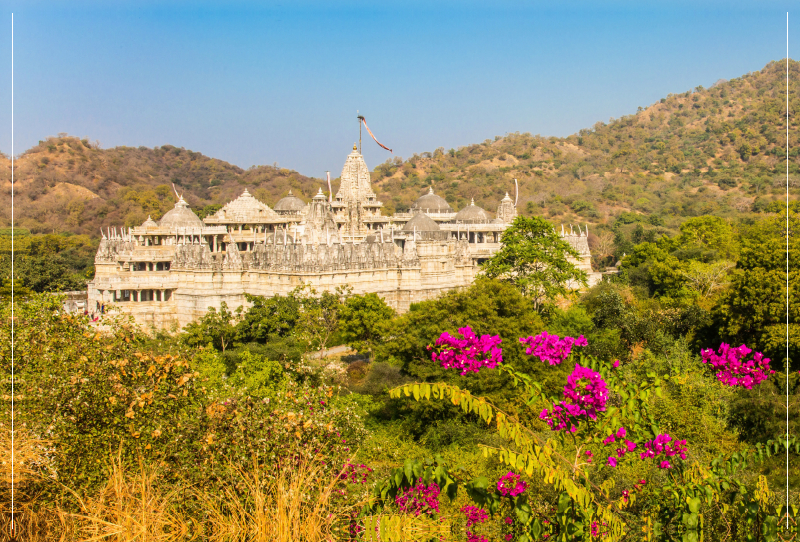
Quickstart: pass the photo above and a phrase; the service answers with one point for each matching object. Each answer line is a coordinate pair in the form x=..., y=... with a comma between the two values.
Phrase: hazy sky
x=255, y=85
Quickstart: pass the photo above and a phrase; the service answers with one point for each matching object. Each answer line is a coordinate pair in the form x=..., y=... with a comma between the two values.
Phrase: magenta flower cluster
x=627, y=445
x=661, y=445
x=551, y=348
x=469, y=353
x=419, y=499
x=733, y=371
x=596, y=529
x=474, y=515
x=510, y=485
x=562, y=415
x=587, y=394
x=355, y=474
x=587, y=389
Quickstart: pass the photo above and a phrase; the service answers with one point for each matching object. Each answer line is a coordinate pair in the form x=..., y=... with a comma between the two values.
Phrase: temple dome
x=421, y=222
x=472, y=214
x=290, y=203
x=149, y=223
x=245, y=208
x=431, y=203
x=180, y=216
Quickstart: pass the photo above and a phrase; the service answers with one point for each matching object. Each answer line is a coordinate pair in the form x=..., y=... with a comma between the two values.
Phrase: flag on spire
x=373, y=136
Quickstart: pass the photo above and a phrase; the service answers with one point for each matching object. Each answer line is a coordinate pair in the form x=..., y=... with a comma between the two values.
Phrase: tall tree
x=753, y=310
x=215, y=328
x=363, y=320
x=536, y=259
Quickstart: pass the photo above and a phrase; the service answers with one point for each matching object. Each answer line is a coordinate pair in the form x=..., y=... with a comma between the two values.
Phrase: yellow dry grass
x=298, y=505
x=130, y=507
x=134, y=505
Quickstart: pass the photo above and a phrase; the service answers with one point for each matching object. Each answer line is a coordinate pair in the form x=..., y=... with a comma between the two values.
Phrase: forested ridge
x=719, y=150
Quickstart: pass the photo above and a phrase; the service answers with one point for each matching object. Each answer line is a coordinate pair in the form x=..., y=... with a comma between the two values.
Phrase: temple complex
x=168, y=273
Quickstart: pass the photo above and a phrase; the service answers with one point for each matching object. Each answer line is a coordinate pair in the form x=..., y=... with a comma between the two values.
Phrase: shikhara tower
x=169, y=272
x=356, y=202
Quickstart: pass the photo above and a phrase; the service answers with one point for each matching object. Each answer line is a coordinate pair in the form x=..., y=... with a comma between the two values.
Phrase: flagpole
x=360, y=120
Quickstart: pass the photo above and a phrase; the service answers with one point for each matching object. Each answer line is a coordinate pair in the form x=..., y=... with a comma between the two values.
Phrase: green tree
x=268, y=316
x=753, y=310
x=488, y=307
x=363, y=320
x=215, y=328
x=259, y=377
x=536, y=260
x=319, y=316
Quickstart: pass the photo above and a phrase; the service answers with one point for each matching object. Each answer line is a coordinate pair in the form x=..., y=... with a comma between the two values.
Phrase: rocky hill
x=67, y=184
x=719, y=151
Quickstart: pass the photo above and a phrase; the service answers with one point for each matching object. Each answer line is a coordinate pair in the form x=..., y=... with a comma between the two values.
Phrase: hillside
x=718, y=151
x=67, y=184
x=715, y=150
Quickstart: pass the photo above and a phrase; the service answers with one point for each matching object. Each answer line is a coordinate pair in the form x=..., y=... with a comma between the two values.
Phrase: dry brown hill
x=69, y=184
x=719, y=150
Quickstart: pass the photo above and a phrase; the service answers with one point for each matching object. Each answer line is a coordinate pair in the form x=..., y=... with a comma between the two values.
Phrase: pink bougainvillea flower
x=469, y=353
x=586, y=394
x=661, y=445
x=551, y=348
x=612, y=461
x=419, y=499
x=616, y=363
x=510, y=485
x=474, y=514
x=731, y=368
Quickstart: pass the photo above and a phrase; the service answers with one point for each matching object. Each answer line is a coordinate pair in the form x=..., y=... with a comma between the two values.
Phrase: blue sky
x=258, y=83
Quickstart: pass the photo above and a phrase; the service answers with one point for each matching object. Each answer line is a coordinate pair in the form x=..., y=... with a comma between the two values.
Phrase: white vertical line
x=13, y=509
x=787, y=269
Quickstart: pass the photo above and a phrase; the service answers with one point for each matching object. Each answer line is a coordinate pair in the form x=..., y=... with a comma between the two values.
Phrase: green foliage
x=753, y=309
x=48, y=263
x=268, y=316
x=364, y=321
x=95, y=395
x=668, y=507
x=208, y=210
x=216, y=329
x=413, y=470
x=260, y=377
x=318, y=322
x=87, y=397
x=535, y=259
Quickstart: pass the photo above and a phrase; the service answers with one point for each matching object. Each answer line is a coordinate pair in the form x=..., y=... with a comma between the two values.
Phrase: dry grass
x=300, y=504
x=31, y=461
x=130, y=507
x=134, y=505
